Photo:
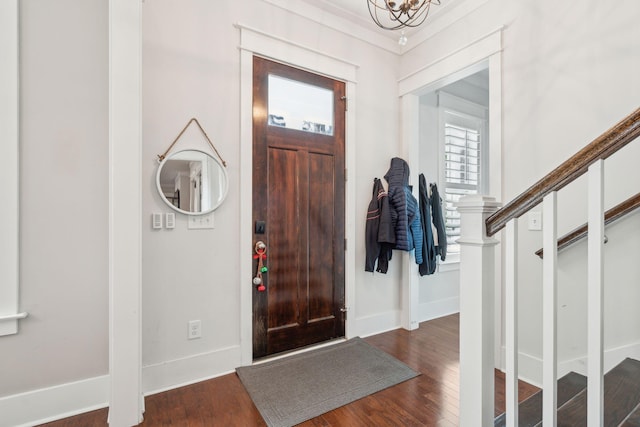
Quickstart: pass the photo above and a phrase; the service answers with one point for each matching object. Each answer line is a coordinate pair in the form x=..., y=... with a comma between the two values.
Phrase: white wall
x=569, y=73
x=191, y=68
x=63, y=197
x=63, y=214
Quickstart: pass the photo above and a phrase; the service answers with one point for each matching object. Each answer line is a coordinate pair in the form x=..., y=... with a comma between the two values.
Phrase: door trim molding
x=453, y=65
x=296, y=54
x=482, y=52
x=255, y=42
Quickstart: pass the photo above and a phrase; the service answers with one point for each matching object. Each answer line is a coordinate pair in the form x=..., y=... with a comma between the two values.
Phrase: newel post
x=477, y=284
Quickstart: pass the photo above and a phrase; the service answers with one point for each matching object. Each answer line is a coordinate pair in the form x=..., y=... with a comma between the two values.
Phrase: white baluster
x=549, y=310
x=511, y=322
x=595, y=382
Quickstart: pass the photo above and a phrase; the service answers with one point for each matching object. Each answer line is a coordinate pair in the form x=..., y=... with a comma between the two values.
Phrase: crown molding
x=441, y=21
x=337, y=23
x=442, y=17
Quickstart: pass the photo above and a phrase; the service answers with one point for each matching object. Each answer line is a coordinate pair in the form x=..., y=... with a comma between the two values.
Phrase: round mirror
x=192, y=182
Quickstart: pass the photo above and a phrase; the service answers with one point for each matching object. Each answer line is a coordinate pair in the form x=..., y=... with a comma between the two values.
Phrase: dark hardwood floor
x=431, y=399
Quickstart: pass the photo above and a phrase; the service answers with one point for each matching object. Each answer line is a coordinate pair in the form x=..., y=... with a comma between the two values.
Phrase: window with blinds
x=462, y=173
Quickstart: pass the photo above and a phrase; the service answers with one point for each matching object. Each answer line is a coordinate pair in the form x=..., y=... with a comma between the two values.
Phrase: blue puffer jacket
x=405, y=213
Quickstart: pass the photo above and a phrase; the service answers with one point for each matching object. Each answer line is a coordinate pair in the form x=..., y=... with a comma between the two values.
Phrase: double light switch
x=169, y=220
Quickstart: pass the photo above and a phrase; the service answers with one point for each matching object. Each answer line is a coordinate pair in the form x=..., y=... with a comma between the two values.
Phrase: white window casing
x=9, y=137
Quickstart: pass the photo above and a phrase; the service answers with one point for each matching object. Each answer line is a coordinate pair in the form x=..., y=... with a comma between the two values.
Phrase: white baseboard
x=435, y=309
x=53, y=403
x=189, y=370
x=65, y=400
x=390, y=320
x=376, y=324
x=612, y=357
x=530, y=367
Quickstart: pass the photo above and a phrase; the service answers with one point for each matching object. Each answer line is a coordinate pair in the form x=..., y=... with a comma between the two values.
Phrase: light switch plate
x=170, y=220
x=535, y=221
x=199, y=222
x=156, y=220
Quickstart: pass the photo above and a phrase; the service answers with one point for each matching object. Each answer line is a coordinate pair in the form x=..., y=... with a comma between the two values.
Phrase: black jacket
x=438, y=222
x=429, y=262
x=379, y=233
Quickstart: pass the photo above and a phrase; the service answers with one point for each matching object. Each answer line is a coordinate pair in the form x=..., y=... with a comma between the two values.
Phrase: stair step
x=622, y=395
x=633, y=420
x=530, y=410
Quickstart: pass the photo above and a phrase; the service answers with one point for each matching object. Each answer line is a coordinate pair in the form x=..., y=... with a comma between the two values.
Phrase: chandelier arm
x=376, y=5
x=420, y=16
x=417, y=13
x=395, y=15
x=374, y=16
x=404, y=15
x=425, y=2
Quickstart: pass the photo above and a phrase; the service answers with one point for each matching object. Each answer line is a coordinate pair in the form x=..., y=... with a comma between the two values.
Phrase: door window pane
x=300, y=106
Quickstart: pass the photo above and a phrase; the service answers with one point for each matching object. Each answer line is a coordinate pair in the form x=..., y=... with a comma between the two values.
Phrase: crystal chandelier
x=395, y=14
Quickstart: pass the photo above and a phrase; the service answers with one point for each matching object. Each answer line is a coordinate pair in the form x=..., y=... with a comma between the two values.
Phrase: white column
x=411, y=149
x=549, y=310
x=595, y=382
x=477, y=285
x=410, y=293
x=125, y=142
x=511, y=322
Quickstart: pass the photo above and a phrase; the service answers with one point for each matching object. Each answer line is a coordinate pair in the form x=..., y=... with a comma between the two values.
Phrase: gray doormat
x=294, y=389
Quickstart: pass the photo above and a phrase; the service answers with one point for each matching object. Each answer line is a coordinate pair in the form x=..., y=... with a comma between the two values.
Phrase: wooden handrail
x=602, y=147
x=613, y=214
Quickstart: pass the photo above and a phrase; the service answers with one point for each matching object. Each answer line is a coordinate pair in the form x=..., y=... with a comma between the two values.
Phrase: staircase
x=613, y=398
x=621, y=400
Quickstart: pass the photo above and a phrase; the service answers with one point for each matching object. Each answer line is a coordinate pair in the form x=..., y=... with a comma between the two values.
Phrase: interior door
x=298, y=207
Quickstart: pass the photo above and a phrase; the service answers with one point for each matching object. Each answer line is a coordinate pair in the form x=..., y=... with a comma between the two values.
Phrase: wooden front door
x=298, y=208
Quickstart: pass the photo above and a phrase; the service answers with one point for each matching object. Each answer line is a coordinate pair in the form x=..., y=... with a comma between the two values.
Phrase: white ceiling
x=352, y=17
x=357, y=12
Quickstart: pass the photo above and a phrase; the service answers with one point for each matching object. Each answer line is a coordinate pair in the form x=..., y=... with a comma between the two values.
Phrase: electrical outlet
x=195, y=329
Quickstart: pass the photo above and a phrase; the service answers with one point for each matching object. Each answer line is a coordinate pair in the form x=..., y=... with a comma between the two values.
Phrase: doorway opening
x=254, y=43
x=454, y=147
x=479, y=60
